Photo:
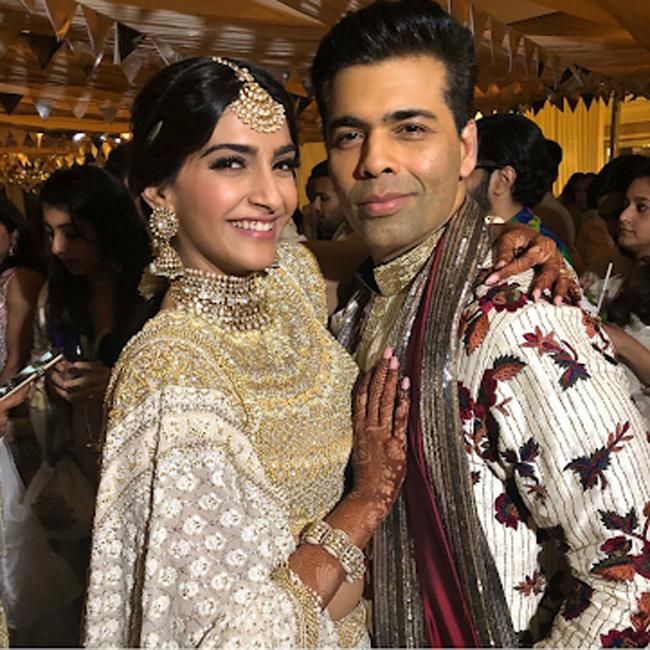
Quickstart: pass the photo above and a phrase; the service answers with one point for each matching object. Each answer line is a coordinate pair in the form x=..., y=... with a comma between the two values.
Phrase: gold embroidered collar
x=395, y=275
x=238, y=303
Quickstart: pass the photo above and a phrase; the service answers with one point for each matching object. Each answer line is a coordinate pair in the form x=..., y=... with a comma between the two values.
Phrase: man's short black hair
x=389, y=29
x=514, y=140
x=319, y=170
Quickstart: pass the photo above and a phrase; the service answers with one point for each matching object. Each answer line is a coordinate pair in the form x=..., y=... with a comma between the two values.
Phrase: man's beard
x=480, y=193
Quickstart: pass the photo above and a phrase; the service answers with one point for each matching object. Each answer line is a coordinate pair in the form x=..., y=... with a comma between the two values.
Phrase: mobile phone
x=31, y=372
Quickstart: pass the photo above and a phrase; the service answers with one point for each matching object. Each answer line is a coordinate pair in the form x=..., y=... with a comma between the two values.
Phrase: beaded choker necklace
x=231, y=301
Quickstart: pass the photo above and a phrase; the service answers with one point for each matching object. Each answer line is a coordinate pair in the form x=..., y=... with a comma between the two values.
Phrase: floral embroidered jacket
x=559, y=456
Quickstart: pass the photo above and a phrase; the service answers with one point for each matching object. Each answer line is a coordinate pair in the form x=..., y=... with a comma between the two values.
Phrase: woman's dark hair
x=92, y=195
x=386, y=30
x=176, y=112
x=117, y=161
x=23, y=253
x=633, y=298
x=615, y=176
x=514, y=140
x=555, y=155
x=568, y=195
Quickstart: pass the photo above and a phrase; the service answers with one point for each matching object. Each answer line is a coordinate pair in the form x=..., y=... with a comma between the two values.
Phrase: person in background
x=324, y=204
x=628, y=312
x=97, y=248
x=20, y=282
x=554, y=215
x=5, y=407
x=513, y=172
x=596, y=241
x=550, y=210
x=575, y=198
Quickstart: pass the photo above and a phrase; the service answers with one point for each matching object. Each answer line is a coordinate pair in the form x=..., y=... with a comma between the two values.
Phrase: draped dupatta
x=434, y=579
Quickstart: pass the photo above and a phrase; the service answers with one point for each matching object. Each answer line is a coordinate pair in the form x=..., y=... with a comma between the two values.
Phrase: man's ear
x=157, y=197
x=503, y=180
x=468, y=149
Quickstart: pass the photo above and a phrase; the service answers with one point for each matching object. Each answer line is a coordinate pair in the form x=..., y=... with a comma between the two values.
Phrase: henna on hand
x=379, y=449
x=519, y=249
x=379, y=462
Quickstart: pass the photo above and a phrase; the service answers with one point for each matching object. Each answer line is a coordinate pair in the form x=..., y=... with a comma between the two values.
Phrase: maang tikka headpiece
x=254, y=107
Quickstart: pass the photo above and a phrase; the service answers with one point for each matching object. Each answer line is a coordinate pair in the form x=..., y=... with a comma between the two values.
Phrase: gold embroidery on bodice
x=292, y=382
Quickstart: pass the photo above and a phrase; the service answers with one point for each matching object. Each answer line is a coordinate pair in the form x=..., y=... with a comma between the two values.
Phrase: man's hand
x=520, y=248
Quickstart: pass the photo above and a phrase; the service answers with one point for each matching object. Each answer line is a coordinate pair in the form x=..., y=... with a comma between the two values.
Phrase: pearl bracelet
x=339, y=546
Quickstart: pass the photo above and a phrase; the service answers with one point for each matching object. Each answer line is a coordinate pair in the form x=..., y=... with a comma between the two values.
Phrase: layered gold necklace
x=233, y=302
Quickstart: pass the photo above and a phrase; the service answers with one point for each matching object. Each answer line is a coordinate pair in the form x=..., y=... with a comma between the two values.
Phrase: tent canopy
x=77, y=65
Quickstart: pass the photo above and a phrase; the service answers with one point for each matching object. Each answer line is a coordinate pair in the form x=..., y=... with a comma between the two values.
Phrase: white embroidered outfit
x=227, y=434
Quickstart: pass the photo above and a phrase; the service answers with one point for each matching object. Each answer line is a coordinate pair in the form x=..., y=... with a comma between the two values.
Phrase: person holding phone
x=97, y=248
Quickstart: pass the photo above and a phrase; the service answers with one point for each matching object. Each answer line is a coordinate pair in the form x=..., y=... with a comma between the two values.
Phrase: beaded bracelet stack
x=339, y=546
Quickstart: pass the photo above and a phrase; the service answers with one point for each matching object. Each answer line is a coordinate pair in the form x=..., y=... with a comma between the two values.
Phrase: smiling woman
x=229, y=424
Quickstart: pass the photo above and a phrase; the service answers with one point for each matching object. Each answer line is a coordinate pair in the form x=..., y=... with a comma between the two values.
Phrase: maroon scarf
x=447, y=617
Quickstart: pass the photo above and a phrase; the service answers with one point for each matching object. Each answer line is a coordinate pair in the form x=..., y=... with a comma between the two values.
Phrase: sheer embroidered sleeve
x=190, y=539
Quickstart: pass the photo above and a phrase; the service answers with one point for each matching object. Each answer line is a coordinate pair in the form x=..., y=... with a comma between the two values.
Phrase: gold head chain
x=254, y=107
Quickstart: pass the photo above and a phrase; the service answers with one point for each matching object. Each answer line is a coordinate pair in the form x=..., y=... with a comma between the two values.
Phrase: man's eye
x=348, y=137
x=411, y=129
x=287, y=165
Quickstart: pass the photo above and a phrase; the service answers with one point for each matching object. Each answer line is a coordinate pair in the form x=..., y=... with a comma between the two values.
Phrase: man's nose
x=377, y=157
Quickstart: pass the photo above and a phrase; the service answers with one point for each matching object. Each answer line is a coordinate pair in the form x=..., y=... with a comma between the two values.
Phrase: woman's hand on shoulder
x=519, y=248
x=381, y=409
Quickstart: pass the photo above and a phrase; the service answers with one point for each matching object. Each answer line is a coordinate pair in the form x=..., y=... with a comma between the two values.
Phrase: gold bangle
x=337, y=543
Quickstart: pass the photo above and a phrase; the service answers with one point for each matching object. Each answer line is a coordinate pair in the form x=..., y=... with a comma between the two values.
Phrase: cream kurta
x=222, y=444
x=394, y=280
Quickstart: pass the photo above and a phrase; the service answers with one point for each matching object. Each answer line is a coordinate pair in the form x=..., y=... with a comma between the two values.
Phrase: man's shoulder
x=504, y=315
x=510, y=295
